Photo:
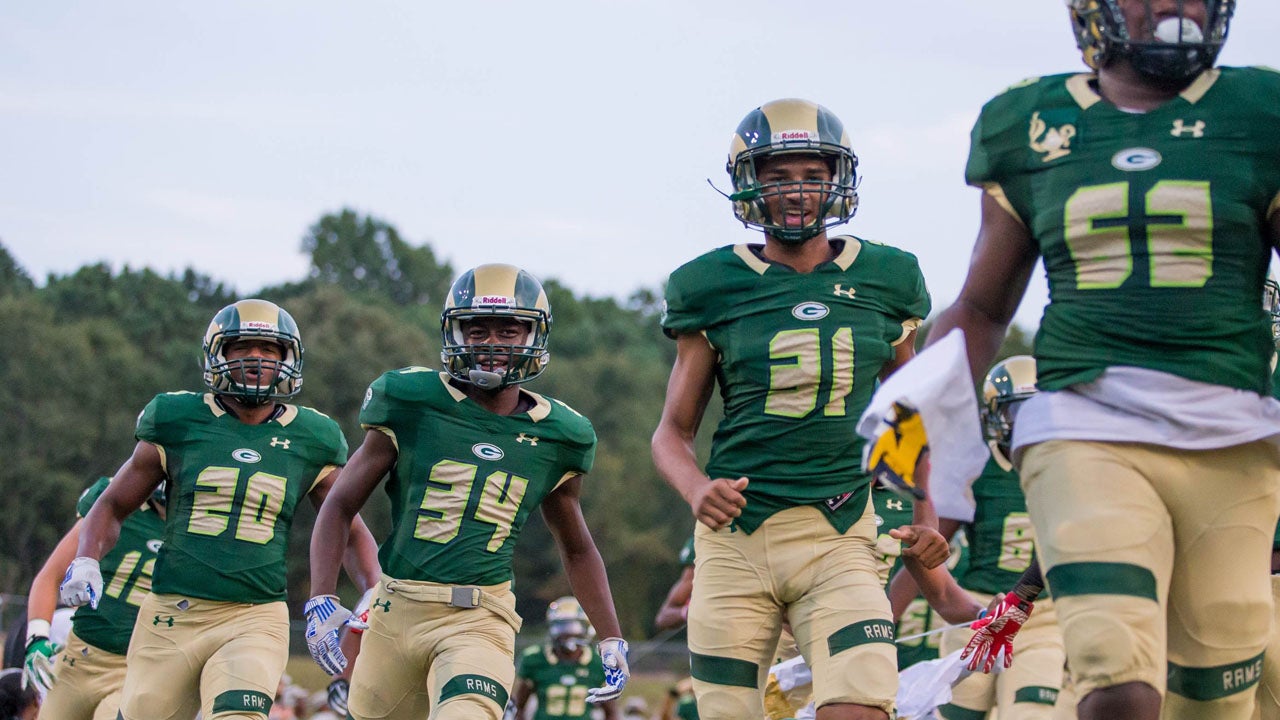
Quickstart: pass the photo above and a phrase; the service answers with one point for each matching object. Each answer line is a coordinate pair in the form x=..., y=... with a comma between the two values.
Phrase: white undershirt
x=1131, y=404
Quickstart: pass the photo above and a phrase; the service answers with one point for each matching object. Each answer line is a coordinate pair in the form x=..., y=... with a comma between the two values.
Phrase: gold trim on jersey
x=744, y=253
x=289, y=415
x=852, y=246
x=549, y=653
x=1082, y=92
x=908, y=327
x=997, y=193
x=214, y=407
x=541, y=406
x=565, y=478
x=458, y=395
x=324, y=472
x=385, y=431
x=164, y=457
x=1200, y=85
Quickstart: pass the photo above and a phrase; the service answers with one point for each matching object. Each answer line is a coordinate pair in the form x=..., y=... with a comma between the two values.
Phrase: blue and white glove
x=613, y=655
x=325, y=617
x=37, y=665
x=338, y=691
x=82, y=585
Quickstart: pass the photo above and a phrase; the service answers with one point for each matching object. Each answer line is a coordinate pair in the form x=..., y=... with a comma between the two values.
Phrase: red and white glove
x=995, y=631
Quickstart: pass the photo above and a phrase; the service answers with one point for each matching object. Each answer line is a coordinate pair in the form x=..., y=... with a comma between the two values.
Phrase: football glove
x=338, y=691
x=82, y=584
x=613, y=655
x=892, y=458
x=37, y=666
x=995, y=632
x=325, y=617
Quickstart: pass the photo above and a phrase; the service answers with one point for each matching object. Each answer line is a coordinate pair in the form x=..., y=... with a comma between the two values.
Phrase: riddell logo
x=256, y=325
x=494, y=300
x=791, y=135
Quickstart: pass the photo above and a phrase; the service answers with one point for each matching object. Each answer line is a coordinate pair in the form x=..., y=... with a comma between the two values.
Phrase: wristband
x=37, y=628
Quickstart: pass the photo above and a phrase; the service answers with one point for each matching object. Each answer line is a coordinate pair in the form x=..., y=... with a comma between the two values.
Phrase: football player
x=213, y=635
x=1269, y=684
x=1150, y=186
x=470, y=454
x=90, y=669
x=559, y=672
x=1001, y=548
x=784, y=521
x=674, y=611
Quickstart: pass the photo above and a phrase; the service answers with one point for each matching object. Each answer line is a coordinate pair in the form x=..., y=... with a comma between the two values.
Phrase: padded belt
x=463, y=597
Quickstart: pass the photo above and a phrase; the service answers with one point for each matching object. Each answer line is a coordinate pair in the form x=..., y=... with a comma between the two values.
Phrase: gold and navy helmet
x=496, y=291
x=567, y=624
x=1010, y=381
x=792, y=126
x=259, y=320
x=1102, y=34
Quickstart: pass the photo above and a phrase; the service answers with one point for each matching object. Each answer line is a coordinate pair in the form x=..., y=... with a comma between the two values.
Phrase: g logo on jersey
x=810, y=311
x=245, y=455
x=154, y=545
x=1135, y=159
x=485, y=451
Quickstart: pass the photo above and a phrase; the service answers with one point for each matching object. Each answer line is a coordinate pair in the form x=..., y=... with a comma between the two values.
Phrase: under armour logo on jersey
x=1180, y=128
x=385, y=605
x=167, y=621
x=844, y=293
x=277, y=442
x=893, y=504
x=531, y=439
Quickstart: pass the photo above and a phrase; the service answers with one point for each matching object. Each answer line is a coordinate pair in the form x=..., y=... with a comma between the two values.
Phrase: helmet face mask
x=783, y=128
x=483, y=298
x=1271, y=303
x=567, y=625
x=273, y=379
x=1103, y=33
x=1009, y=383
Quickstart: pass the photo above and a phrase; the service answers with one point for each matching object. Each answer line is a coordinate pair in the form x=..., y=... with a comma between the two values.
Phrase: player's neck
x=503, y=401
x=801, y=257
x=1123, y=86
x=569, y=656
x=249, y=414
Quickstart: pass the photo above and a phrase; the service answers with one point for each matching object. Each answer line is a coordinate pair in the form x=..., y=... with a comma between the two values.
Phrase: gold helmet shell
x=259, y=320
x=1009, y=382
x=496, y=290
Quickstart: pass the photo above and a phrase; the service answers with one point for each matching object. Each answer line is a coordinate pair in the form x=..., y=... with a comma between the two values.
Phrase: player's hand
x=716, y=503
x=995, y=632
x=82, y=584
x=359, y=621
x=325, y=617
x=338, y=691
x=613, y=655
x=37, y=666
x=899, y=447
x=923, y=543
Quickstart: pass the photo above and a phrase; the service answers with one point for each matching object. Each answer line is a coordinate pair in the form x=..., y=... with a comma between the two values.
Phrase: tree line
x=83, y=353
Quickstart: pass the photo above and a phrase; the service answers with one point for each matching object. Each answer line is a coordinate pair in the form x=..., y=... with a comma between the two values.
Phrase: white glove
x=338, y=691
x=325, y=617
x=82, y=584
x=613, y=655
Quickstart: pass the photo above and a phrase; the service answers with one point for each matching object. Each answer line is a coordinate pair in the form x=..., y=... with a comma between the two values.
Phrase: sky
x=571, y=137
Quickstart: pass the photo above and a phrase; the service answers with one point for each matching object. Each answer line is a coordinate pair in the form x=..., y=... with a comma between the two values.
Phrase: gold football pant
x=1147, y=547
x=87, y=684
x=827, y=586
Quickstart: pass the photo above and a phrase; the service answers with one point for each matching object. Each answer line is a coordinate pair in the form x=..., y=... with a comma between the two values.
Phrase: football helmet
x=1010, y=382
x=260, y=320
x=567, y=624
x=495, y=291
x=791, y=126
x=1271, y=303
x=1102, y=34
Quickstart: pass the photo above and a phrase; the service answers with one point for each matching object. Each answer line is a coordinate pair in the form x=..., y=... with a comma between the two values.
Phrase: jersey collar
x=1081, y=88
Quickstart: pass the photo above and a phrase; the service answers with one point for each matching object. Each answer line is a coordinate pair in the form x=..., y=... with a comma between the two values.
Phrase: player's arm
x=675, y=608
x=717, y=502
x=360, y=559
x=1003, y=259
x=42, y=599
x=942, y=592
x=140, y=475
x=610, y=708
x=902, y=353
x=338, y=516
x=902, y=587
x=520, y=697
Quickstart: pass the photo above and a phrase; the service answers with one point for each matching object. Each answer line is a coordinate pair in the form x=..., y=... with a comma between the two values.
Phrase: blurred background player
x=1151, y=189
x=18, y=701
x=90, y=670
x=470, y=455
x=784, y=528
x=559, y=671
x=213, y=635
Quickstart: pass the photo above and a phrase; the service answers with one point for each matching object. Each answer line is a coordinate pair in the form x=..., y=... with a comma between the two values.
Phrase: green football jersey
x=466, y=479
x=1001, y=541
x=126, y=576
x=232, y=492
x=1152, y=226
x=799, y=358
x=892, y=511
x=561, y=686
